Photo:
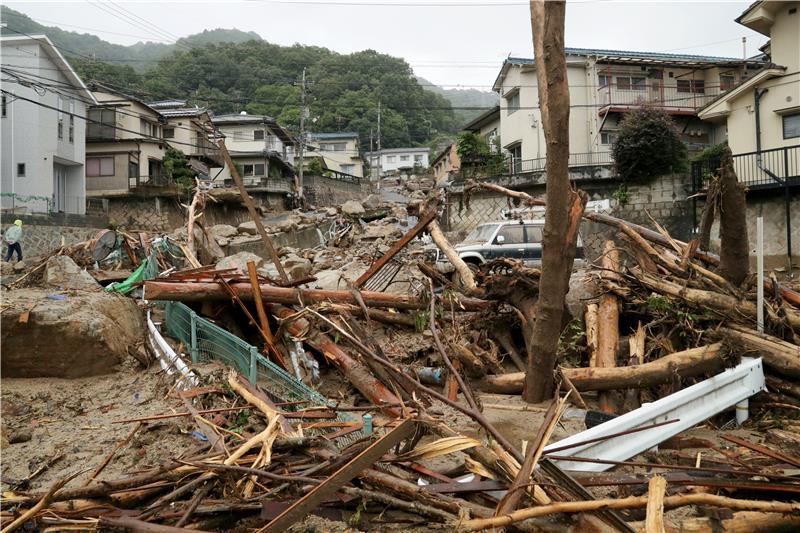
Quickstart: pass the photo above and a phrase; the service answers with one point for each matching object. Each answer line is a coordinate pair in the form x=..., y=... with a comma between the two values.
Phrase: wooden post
x=248, y=202
x=608, y=325
x=656, y=490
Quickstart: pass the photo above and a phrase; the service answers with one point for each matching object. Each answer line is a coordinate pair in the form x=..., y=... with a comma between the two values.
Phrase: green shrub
x=648, y=145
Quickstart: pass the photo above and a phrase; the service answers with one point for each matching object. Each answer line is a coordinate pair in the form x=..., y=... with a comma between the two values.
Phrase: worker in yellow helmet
x=12, y=237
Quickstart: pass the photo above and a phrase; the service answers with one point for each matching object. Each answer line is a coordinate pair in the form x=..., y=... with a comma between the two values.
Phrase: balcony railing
x=779, y=167
x=585, y=159
x=687, y=98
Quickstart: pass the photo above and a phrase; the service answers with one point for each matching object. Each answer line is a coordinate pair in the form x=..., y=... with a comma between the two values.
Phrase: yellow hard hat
x=18, y=222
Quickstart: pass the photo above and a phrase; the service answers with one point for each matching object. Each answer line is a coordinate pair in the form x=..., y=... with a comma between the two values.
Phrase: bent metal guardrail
x=207, y=341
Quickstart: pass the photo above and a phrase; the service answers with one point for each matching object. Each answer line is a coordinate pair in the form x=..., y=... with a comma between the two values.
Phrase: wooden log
x=632, y=502
x=591, y=319
x=778, y=355
x=204, y=292
x=358, y=374
x=608, y=323
x=656, y=490
x=685, y=364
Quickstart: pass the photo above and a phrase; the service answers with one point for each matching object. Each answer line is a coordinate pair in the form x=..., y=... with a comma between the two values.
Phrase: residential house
x=190, y=130
x=763, y=113
x=445, y=164
x=261, y=148
x=339, y=152
x=43, y=125
x=125, y=146
x=391, y=160
x=604, y=84
x=487, y=125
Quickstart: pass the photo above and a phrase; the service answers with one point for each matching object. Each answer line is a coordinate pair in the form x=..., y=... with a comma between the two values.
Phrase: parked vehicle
x=514, y=239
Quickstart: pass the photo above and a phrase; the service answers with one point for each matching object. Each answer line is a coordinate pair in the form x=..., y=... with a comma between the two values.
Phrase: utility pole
x=371, y=155
x=380, y=153
x=303, y=112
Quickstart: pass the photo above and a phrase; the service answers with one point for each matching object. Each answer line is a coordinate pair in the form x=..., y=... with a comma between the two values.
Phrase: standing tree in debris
x=734, y=255
x=564, y=205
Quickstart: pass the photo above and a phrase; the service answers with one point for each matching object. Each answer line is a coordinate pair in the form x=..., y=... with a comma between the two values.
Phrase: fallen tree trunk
x=779, y=355
x=355, y=372
x=684, y=364
x=608, y=325
x=205, y=292
x=741, y=522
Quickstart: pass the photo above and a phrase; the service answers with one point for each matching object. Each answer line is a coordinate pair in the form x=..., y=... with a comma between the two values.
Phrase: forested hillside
x=344, y=91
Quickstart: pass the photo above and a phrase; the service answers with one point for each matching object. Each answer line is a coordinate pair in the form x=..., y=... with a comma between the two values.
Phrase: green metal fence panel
x=206, y=341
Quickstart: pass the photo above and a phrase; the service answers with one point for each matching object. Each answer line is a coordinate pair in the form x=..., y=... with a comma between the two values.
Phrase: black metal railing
x=584, y=159
x=778, y=167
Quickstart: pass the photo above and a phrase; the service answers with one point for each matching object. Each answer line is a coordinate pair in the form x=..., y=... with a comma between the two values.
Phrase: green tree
x=176, y=168
x=648, y=145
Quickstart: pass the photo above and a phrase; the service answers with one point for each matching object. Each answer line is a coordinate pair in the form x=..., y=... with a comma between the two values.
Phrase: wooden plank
x=401, y=243
x=778, y=456
x=361, y=462
x=248, y=202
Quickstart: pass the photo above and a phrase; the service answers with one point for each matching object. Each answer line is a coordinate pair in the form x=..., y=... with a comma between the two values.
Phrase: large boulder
x=248, y=228
x=296, y=267
x=352, y=207
x=381, y=229
x=61, y=271
x=373, y=201
x=240, y=261
x=68, y=335
x=223, y=230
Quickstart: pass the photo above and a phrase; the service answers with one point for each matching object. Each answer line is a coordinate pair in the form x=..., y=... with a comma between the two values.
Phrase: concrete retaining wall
x=322, y=191
x=44, y=233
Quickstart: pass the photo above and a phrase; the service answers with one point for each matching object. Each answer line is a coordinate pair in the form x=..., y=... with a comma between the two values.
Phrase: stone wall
x=771, y=205
x=44, y=233
x=322, y=191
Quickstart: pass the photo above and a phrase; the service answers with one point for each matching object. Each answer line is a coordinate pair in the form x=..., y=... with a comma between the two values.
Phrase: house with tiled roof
x=191, y=130
x=604, y=84
x=337, y=151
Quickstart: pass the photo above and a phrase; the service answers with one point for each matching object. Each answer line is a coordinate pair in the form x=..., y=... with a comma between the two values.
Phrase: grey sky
x=452, y=45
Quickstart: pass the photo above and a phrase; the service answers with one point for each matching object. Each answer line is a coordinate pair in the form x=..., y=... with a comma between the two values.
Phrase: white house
x=44, y=105
x=339, y=152
x=390, y=160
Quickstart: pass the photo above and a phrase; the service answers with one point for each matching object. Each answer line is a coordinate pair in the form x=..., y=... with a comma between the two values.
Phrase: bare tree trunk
x=558, y=245
x=734, y=256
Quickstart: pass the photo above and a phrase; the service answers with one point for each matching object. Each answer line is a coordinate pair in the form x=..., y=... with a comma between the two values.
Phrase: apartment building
x=392, y=160
x=125, y=145
x=763, y=113
x=42, y=128
x=339, y=152
x=262, y=149
x=604, y=84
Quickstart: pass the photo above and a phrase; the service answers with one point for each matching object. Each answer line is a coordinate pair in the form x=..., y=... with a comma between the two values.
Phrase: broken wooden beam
x=353, y=468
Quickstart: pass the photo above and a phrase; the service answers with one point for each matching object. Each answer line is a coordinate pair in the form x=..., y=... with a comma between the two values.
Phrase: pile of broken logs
x=662, y=319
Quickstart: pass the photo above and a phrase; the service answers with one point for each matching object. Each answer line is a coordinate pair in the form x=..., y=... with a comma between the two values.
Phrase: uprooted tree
x=563, y=202
x=734, y=255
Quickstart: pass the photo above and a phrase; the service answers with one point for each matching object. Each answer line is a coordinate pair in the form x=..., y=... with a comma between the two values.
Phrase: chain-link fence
x=207, y=341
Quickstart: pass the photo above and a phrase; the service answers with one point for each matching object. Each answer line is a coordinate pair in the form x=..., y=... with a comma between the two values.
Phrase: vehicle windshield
x=482, y=233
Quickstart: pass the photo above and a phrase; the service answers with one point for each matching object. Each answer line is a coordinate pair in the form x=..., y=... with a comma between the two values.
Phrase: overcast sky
x=449, y=42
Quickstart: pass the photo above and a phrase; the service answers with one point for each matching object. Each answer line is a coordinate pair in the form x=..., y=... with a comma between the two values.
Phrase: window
x=258, y=135
x=348, y=169
x=533, y=234
x=99, y=166
x=72, y=122
x=791, y=126
x=691, y=86
x=603, y=80
x=333, y=147
x=418, y=158
x=607, y=138
x=512, y=234
x=404, y=158
x=3, y=105
x=20, y=170
x=102, y=123
x=248, y=170
x=258, y=169
x=390, y=158
x=631, y=83
x=726, y=83
x=60, y=118
x=169, y=133
x=512, y=101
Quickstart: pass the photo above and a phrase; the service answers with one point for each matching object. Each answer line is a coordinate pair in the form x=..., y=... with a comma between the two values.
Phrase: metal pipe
x=788, y=205
x=760, y=273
